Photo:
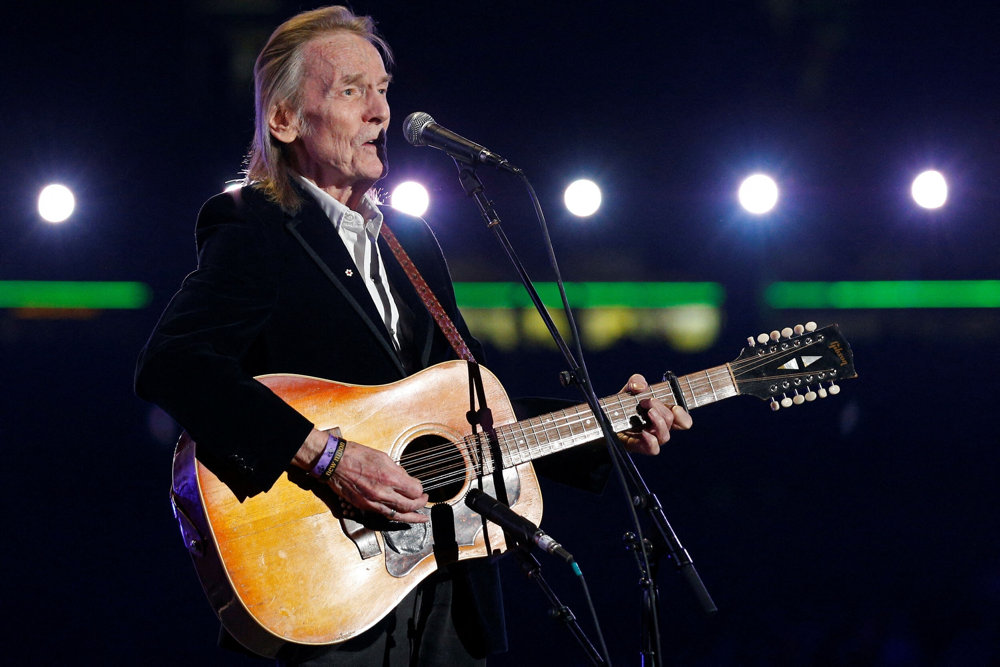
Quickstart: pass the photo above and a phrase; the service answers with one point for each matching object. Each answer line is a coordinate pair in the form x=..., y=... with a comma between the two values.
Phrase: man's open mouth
x=378, y=142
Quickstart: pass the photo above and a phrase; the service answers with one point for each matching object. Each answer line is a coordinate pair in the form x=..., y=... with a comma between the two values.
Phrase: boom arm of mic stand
x=474, y=188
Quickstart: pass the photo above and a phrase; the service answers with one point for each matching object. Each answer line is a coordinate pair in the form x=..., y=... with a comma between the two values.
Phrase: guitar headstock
x=795, y=365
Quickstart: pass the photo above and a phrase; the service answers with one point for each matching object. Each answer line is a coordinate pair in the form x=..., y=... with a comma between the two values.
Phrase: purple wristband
x=332, y=443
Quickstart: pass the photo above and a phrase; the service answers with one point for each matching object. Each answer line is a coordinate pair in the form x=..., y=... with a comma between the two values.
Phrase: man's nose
x=378, y=108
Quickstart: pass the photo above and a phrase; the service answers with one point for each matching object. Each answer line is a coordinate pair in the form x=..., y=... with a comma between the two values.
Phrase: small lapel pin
x=348, y=272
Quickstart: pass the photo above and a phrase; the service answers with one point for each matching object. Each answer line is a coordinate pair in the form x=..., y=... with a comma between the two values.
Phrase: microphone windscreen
x=413, y=127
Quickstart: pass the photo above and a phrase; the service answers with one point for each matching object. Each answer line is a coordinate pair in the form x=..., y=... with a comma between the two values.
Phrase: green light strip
x=885, y=294
x=73, y=294
x=782, y=295
x=591, y=295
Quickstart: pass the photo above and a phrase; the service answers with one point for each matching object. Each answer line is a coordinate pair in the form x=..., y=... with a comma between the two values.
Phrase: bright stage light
x=582, y=198
x=929, y=189
x=410, y=197
x=56, y=203
x=758, y=194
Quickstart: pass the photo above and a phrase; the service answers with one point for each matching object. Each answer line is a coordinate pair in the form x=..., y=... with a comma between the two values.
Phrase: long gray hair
x=277, y=77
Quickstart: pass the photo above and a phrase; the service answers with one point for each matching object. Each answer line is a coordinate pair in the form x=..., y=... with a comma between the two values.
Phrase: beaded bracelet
x=323, y=463
x=338, y=454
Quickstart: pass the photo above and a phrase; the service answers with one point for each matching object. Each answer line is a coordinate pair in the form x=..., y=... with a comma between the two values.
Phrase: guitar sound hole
x=438, y=464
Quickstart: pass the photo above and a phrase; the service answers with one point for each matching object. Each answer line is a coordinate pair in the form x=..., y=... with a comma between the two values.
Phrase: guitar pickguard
x=412, y=543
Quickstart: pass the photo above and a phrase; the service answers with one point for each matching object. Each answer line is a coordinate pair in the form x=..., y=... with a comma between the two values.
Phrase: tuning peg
x=798, y=399
x=810, y=395
x=822, y=392
x=834, y=389
x=774, y=405
x=786, y=332
x=775, y=335
x=810, y=326
x=763, y=338
x=786, y=402
x=799, y=329
x=750, y=341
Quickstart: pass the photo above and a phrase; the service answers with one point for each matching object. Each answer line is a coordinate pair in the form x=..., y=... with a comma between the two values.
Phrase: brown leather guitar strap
x=434, y=306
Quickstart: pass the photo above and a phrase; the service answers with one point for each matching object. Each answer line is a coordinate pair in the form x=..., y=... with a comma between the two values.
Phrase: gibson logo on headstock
x=839, y=351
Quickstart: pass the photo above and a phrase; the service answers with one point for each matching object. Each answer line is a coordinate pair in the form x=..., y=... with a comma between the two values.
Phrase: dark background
x=860, y=530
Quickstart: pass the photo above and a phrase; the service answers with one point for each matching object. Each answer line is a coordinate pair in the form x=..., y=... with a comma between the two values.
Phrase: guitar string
x=541, y=430
x=539, y=427
x=544, y=427
x=557, y=423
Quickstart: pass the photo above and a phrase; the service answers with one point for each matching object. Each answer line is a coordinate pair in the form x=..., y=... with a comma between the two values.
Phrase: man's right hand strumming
x=367, y=478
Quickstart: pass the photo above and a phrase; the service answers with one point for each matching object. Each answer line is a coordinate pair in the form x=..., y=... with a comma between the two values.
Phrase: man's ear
x=283, y=123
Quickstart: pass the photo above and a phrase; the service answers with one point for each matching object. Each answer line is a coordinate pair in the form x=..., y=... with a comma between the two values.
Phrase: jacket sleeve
x=191, y=365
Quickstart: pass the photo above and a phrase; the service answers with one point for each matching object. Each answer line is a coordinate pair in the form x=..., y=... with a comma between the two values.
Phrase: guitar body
x=294, y=564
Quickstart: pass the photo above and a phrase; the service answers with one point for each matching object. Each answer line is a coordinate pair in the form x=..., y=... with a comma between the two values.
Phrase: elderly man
x=294, y=276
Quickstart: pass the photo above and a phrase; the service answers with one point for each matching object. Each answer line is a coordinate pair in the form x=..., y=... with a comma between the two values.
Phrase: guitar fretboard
x=554, y=432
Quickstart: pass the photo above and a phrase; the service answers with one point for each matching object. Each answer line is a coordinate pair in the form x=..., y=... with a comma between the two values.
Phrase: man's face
x=340, y=143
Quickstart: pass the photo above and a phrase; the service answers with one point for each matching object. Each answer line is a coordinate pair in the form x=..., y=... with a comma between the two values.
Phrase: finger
x=384, y=498
x=682, y=418
x=640, y=442
x=397, y=508
x=658, y=419
x=405, y=505
x=636, y=385
x=393, y=514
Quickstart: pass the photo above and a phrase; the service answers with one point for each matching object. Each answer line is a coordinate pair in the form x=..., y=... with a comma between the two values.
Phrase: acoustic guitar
x=297, y=564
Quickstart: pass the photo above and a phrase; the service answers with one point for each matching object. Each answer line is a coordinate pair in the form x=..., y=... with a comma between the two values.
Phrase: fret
x=544, y=434
x=708, y=376
x=693, y=399
x=614, y=407
x=559, y=429
x=665, y=395
x=574, y=426
x=521, y=442
x=589, y=424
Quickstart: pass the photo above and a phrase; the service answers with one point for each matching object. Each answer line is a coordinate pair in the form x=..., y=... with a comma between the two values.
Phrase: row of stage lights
x=758, y=194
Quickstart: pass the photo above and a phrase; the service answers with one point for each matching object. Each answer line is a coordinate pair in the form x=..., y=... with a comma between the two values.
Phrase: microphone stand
x=533, y=570
x=639, y=495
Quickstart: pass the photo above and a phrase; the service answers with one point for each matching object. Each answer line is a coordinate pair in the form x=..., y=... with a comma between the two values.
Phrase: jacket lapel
x=317, y=236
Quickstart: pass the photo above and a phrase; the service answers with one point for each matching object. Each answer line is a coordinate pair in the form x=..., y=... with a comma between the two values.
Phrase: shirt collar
x=340, y=214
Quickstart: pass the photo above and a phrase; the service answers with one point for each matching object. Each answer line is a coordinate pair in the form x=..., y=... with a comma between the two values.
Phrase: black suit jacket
x=279, y=293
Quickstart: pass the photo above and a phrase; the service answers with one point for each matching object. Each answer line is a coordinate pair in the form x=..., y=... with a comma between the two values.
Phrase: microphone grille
x=413, y=127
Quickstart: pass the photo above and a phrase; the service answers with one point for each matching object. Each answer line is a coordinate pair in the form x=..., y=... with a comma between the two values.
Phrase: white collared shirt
x=359, y=232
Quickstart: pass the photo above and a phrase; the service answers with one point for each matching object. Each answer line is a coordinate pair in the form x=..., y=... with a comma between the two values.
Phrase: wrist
x=330, y=458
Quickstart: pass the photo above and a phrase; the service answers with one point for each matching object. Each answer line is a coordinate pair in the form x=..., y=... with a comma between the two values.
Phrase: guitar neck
x=547, y=434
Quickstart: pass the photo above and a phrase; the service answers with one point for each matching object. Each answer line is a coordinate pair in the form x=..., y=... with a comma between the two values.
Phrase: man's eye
x=349, y=92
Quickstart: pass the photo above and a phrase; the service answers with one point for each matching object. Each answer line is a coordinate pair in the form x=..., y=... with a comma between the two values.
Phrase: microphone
x=421, y=130
x=511, y=521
